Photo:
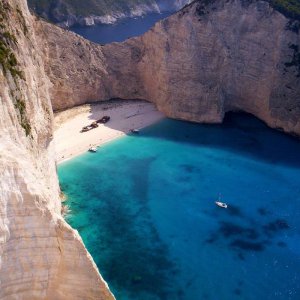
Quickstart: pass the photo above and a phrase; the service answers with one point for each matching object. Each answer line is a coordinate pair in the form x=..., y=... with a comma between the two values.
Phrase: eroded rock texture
x=196, y=65
x=41, y=256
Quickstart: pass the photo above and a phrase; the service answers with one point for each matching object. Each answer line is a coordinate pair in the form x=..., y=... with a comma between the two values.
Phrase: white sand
x=125, y=115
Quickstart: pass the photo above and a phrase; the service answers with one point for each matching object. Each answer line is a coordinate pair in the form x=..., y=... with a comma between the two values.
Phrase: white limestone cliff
x=41, y=256
x=196, y=65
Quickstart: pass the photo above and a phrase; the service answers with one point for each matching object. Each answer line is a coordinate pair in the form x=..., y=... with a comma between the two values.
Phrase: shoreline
x=125, y=115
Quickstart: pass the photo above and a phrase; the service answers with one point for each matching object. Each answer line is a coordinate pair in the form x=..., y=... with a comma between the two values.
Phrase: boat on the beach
x=94, y=125
x=86, y=128
x=134, y=131
x=93, y=149
x=103, y=120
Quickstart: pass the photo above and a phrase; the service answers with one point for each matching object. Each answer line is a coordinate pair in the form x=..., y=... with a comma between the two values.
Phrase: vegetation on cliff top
x=8, y=60
x=8, y=40
x=289, y=8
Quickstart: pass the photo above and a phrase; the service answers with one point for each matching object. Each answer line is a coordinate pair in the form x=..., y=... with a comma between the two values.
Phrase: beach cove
x=144, y=206
x=125, y=115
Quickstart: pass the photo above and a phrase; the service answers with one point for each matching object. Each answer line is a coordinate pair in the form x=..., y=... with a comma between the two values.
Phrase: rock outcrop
x=41, y=256
x=204, y=61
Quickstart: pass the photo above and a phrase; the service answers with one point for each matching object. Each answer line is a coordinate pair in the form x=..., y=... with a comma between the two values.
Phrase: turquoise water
x=120, y=31
x=144, y=206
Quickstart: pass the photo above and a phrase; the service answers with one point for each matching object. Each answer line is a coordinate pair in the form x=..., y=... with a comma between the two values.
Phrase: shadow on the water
x=240, y=133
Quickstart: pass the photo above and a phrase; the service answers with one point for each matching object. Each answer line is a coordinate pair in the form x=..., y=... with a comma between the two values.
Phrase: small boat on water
x=134, y=131
x=93, y=149
x=221, y=204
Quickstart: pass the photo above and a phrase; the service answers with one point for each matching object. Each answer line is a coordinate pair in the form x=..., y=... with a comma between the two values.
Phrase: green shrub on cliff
x=8, y=59
x=290, y=8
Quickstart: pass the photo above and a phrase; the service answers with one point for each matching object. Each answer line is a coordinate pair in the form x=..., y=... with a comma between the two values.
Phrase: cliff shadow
x=239, y=133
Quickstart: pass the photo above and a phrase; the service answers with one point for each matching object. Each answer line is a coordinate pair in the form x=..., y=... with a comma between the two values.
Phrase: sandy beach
x=124, y=116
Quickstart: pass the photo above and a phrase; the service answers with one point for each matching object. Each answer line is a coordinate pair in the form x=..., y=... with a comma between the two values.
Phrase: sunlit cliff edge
x=41, y=256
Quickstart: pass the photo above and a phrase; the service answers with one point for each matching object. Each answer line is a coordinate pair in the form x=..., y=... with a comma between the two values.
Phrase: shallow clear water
x=120, y=31
x=144, y=206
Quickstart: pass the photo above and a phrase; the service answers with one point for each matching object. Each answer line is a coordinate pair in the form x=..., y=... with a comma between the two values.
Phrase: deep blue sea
x=120, y=31
x=144, y=206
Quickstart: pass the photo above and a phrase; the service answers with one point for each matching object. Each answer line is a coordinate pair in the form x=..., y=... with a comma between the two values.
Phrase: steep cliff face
x=41, y=256
x=225, y=56
x=206, y=60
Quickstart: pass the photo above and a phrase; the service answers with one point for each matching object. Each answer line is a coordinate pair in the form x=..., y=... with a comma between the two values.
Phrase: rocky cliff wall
x=196, y=65
x=41, y=256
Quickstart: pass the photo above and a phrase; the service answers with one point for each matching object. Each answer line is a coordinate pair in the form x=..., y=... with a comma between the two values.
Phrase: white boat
x=221, y=204
x=93, y=149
